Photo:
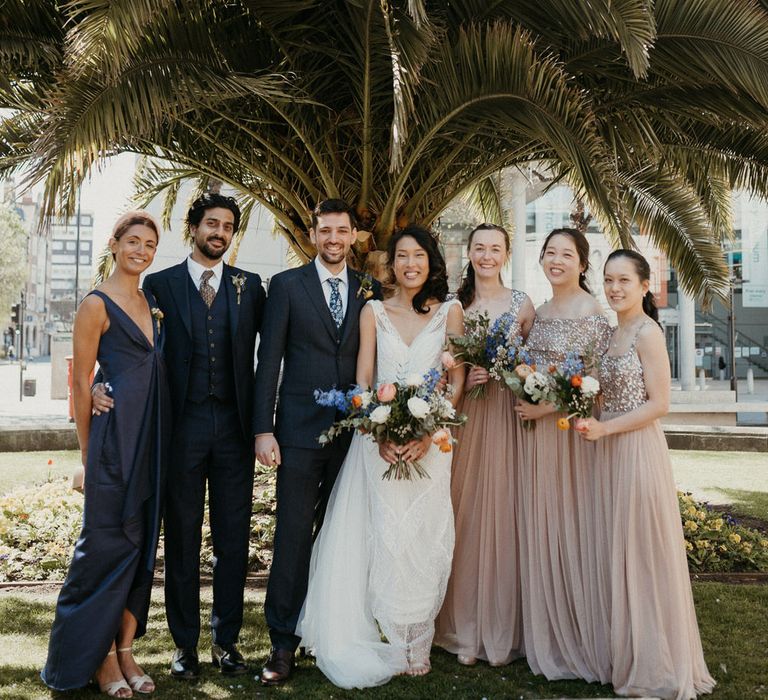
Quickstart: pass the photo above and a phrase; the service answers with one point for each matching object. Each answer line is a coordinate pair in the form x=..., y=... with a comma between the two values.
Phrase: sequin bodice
x=622, y=381
x=551, y=339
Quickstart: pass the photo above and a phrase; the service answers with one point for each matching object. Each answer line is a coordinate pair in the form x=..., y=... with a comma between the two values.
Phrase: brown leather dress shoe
x=278, y=667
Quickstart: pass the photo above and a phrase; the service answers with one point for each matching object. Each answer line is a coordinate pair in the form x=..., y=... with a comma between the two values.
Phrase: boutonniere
x=239, y=283
x=158, y=316
x=366, y=286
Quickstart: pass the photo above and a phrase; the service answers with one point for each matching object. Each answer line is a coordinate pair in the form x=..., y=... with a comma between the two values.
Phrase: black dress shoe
x=278, y=667
x=228, y=659
x=185, y=664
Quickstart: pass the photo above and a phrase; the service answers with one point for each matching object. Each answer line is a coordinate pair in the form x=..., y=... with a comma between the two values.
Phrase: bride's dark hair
x=436, y=286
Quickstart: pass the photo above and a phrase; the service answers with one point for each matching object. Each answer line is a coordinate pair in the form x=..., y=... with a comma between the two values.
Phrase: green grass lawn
x=751, y=503
x=31, y=467
x=732, y=621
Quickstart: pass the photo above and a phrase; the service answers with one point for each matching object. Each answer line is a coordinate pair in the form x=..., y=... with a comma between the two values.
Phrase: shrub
x=715, y=542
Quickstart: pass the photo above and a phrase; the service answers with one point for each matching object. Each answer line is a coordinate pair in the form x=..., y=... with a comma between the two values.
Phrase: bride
x=381, y=562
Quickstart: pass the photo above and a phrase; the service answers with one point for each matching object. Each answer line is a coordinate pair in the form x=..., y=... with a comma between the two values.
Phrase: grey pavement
x=36, y=411
x=42, y=409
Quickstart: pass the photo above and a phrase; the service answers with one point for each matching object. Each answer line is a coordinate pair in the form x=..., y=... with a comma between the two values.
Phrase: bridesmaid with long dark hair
x=104, y=602
x=481, y=617
x=565, y=624
x=655, y=647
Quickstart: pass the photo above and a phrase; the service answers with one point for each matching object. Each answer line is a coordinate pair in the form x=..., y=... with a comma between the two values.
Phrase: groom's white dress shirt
x=196, y=271
x=325, y=274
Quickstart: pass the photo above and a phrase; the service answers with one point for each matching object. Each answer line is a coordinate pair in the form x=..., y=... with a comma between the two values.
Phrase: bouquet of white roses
x=487, y=345
x=396, y=412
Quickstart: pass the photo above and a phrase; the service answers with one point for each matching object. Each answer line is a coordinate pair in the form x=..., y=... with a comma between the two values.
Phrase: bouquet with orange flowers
x=527, y=383
x=575, y=390
x=396, y=412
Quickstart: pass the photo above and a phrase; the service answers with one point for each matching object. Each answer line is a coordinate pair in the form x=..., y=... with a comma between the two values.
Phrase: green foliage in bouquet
x=397, y=413
x=487, y=345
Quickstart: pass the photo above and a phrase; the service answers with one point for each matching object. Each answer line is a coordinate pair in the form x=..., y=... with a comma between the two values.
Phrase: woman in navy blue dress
x=104, y=602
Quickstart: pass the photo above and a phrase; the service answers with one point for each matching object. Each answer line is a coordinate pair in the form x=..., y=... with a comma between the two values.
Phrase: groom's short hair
x=333, y=206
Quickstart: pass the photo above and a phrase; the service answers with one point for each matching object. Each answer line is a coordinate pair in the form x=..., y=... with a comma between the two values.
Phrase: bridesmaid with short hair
x=481, y=616
x=655, y=647
x=565, y=625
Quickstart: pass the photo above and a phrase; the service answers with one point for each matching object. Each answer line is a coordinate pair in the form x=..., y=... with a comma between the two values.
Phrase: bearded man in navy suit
x=212, y=313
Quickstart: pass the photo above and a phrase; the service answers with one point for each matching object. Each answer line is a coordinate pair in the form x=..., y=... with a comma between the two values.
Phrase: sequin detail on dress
x=551, y=339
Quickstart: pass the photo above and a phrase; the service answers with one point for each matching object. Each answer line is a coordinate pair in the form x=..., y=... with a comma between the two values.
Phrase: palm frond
x=670, y=213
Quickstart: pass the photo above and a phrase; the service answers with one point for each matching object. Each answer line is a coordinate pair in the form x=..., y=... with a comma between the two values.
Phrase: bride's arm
x=455, y=327
x=366, y=354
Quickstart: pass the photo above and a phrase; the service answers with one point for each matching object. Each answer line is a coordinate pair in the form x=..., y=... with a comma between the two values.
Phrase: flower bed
x=39, y=525
x=715, y=542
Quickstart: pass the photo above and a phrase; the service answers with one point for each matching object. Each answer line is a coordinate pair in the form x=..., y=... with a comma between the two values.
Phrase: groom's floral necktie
x=206, y=289
x=337, y=312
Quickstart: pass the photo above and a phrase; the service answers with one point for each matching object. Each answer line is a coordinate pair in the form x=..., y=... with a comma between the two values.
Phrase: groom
x=311, y=326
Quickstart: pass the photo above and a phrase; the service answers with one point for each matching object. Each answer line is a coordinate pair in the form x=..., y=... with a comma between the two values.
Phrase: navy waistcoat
x=211, y=364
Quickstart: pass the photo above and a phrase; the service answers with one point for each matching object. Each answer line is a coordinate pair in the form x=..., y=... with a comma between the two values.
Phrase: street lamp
x=734, y=283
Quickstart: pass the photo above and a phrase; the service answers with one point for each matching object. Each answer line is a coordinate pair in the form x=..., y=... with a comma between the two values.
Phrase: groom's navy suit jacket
x=171, y=288
x=299, y=331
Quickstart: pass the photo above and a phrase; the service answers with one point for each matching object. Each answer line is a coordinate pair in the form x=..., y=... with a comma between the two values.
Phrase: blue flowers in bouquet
x=575, y=390
x=396, y=412
x=488, y=345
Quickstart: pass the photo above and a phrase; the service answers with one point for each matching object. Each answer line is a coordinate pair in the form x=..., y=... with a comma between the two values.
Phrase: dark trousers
x=304, y=483
x=208, y=446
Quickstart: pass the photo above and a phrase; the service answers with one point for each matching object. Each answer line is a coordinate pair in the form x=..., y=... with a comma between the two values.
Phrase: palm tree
x=651, y=111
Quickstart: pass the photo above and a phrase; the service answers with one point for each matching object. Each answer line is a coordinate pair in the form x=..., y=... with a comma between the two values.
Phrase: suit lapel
x=315, y=293
x=179, y=284
x=354, y=304
x=231, y=292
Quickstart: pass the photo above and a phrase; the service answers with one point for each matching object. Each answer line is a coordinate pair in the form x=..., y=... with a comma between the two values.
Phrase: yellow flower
x=690, y=510
x=764, y=544
x=734, y=537
x=691, y=525
x=723, y=548
x=747, y=547
x=701, y=515
x=716, y=524
x=702, y=544
x=688, y=545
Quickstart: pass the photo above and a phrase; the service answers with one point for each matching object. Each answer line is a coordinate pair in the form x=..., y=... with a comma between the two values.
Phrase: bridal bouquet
x=528, y=384
x=396, y=412
x=487, y=345
x=576, y=391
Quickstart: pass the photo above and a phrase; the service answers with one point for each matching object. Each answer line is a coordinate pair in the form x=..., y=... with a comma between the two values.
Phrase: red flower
x=576, y=380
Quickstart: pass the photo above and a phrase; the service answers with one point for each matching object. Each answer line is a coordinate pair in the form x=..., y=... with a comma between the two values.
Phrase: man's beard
x=212, y=253
x=327, y=257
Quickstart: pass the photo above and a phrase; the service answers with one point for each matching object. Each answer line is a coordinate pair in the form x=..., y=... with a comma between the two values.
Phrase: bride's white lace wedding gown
x=381, y=562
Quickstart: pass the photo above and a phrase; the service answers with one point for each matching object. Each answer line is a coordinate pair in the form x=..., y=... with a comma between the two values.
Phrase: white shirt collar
x=196, y=271
x=325, y=274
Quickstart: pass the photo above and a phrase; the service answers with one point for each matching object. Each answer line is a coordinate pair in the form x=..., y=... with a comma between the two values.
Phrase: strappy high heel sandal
x=137, y=682
x=114, y=687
